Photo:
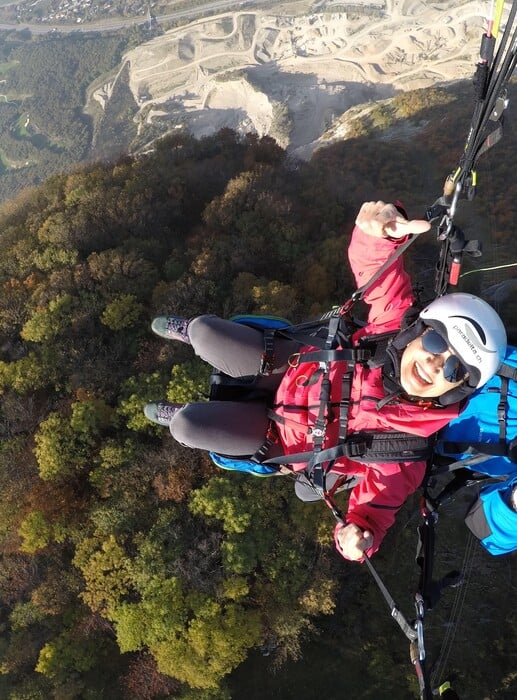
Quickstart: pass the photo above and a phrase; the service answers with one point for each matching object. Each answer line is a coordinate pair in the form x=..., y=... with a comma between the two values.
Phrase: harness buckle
x=355, y=449
x=267, y=362
x=347, y=306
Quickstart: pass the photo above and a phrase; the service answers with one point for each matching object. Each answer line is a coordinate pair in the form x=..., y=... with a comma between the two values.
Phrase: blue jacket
x=490, y=518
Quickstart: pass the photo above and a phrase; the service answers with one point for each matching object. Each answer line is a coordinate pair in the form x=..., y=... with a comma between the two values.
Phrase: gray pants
x=231, y=428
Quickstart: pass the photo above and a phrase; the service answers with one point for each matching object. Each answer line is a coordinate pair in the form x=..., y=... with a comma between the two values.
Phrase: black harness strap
x=425, y=553
x=396, y=614
x=438, y=470
x=367, y=447
x=480, y=451
x=267, y=363
x=315, y=470
x=344, y=406
x=507, y=371
x=501, y=410
x=341, y=355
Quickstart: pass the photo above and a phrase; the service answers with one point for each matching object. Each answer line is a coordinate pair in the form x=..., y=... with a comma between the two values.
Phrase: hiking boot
x=171, y=328
x=161, y=412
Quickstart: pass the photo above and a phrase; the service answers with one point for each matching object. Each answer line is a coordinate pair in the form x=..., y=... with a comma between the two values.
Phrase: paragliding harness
x=491, y=79
x=331, y=335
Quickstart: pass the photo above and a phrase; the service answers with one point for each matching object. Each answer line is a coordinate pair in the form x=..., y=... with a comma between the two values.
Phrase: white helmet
x=472, y=329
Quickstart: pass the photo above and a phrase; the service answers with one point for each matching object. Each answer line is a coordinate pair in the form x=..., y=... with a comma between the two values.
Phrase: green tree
x=136, y=392
x=59, y=451
x=122, y=312
x=54, y=256
x=220, y=499
x=28, y=374
x=188, y=382
x=193, y=639
x=65, y=654
x=35, y=531
x=218, y=639
x=90, y=417
x=47, y=323
x=106, y=569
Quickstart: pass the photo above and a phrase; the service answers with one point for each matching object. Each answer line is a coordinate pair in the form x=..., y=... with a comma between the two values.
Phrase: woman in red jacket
x=455, y=346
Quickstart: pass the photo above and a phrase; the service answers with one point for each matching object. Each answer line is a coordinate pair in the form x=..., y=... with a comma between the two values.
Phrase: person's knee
x=184, y=426
x=228, y=427
x=200, y=330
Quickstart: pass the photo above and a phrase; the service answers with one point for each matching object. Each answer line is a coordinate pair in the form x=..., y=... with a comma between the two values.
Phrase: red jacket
x=375, y=500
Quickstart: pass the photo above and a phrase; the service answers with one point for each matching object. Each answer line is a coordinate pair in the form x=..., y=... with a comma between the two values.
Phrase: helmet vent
x=476, y=325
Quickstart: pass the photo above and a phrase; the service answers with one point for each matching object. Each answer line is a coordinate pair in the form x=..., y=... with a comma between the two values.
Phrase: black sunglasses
x=453, y=369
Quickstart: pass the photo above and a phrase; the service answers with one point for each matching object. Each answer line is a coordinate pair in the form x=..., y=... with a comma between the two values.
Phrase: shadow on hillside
x=313, y=103
x=312, y=106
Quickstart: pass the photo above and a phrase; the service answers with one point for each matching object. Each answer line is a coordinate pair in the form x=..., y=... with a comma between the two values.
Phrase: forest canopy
x=130, y=566
x=44, y=128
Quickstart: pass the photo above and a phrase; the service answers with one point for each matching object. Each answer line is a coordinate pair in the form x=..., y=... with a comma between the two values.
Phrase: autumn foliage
x=129, y=565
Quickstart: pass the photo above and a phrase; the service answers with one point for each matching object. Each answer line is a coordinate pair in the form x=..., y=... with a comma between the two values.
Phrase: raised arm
x=379, y=230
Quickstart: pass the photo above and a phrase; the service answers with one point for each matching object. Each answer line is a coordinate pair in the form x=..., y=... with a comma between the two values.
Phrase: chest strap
x=339, y=355
x=368, y=447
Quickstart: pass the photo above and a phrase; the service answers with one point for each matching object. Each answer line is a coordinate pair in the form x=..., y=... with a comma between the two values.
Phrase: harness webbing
x=365, y=446
x=480, y=451
x=396, y=614
x=346, y=354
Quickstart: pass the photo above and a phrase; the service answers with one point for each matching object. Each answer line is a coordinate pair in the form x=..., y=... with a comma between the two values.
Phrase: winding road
x=114, y=24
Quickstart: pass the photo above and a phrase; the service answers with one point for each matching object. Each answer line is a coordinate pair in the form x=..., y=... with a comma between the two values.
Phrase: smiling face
x=421, y=371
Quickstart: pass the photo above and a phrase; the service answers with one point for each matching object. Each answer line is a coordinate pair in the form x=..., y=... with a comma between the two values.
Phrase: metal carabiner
x=301, y=380
x=419, y=625
x=293, y=363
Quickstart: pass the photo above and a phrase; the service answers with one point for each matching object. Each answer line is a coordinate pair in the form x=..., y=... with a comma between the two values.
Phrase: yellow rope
x=489, y=269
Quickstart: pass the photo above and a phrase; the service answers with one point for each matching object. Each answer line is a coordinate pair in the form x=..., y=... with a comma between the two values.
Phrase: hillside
x=289, y=75
x=289, y=71
x=43, y=126
x=131, y=568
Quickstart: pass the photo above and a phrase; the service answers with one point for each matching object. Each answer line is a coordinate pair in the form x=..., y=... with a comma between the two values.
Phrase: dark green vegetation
x=43, y=128
x=129, y=566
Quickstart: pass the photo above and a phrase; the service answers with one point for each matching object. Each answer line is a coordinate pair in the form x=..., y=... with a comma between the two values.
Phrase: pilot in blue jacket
x=489, y=424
